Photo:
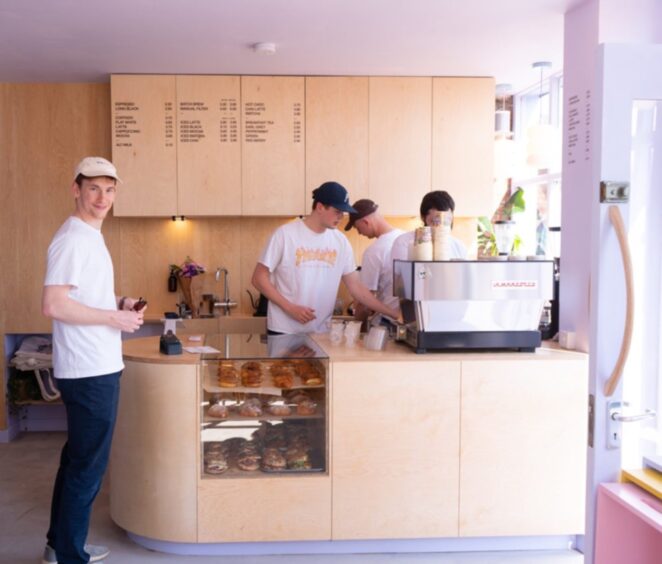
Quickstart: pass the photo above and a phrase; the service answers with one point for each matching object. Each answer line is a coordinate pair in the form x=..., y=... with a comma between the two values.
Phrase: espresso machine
x=480, y=304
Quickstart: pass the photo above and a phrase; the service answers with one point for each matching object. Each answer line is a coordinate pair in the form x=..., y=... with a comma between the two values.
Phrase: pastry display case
x=263, y=407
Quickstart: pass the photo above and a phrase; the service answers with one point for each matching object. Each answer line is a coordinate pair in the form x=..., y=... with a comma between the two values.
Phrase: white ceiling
x=87, y=40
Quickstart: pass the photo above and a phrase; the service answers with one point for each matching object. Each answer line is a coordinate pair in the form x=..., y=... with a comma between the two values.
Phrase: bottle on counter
x=172, y=281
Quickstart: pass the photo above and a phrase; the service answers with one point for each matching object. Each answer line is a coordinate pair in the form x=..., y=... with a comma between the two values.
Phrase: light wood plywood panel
x=463, y=142
x=400, y=142
x=144, y=144
x=56, y=124
x=148, y=246
x=273, y=149
x=283, y=508
x=208, y=145
x=46, y=129
x=153, y=469
x=254, y=235
x=395, y=445
x=337, y=133
x=523, y=459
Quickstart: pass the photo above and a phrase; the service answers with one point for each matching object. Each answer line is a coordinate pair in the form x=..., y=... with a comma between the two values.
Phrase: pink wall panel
x=629, y=526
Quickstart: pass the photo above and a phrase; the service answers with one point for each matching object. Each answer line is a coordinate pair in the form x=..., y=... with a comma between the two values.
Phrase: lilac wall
x=579, y=74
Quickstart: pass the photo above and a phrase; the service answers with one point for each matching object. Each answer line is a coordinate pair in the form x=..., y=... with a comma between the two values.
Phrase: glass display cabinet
x=263, y=407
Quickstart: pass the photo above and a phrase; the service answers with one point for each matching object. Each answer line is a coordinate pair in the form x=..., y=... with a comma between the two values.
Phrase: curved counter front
x=153, y=464
x=436, y=447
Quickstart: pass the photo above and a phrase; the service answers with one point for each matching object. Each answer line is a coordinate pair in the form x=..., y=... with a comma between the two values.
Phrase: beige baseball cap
x=96, y=166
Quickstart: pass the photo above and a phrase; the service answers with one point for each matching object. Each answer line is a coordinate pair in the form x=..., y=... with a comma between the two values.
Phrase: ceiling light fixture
x=264, y=48
x=502, y=116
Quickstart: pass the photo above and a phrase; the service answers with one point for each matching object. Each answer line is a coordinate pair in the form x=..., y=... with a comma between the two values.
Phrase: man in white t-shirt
x=300, y=269
x=376, y=266
x=88, y=319
x=431, y=204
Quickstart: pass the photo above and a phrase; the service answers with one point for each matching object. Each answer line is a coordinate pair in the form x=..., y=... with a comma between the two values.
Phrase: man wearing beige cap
x=376, y=266
x=88, y=319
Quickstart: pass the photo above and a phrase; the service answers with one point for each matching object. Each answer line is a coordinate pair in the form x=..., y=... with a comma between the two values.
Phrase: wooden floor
x=27, y=470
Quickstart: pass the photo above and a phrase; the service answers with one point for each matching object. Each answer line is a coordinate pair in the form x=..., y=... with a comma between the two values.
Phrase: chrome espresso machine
x=480, y=304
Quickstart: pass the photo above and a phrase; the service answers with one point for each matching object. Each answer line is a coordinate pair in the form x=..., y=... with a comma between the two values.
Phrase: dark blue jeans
x=91, y=405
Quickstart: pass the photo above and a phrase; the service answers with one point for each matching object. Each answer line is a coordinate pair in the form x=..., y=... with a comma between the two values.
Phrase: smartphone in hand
x=140, y=304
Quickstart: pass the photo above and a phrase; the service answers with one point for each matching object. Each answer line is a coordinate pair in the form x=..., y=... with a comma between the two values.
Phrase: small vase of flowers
x=190, y=283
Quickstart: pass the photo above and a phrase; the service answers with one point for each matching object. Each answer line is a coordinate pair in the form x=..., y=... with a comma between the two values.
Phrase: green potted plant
x=499, y=229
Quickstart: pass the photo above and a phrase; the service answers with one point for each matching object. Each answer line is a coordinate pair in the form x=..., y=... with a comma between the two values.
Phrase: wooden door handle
x=617, y=221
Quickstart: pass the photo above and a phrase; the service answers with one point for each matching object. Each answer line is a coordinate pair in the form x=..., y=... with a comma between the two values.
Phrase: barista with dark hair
x=431, y=204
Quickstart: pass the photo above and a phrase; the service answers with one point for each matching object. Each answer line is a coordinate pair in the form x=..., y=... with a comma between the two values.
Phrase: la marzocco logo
x=514, y=284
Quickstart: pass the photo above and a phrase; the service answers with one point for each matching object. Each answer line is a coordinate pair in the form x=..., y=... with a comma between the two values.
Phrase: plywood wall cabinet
x=259, y=145
x=463, y=142
x=144, y=144
x=337, y=133
x=273, y=145
x=400, y=141
x=208, y=145
x=395, y=446
x=523, y=437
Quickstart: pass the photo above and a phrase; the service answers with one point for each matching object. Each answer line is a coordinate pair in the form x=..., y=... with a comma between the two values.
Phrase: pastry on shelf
x=251, y=374
x=273, y=459
x=283, y=380
x=312, y=376
x=252, y=407
x=282, y=374
x=248, y=461
x=215, y=460
x=279, y=409
x=218, y=410
x=306, y=407
x=228, y=376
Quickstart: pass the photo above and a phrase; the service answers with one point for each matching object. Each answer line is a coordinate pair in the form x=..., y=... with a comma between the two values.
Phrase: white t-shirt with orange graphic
x=306, y=268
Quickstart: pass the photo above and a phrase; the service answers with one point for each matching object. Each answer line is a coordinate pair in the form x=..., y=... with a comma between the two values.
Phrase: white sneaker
x=97, y=553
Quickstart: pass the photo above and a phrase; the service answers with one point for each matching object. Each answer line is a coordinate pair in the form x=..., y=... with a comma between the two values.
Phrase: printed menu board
x=144, y=144
x=273, y=154
x=208, y=145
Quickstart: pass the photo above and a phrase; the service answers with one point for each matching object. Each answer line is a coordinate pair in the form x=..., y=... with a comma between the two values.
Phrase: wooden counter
x=440, y=445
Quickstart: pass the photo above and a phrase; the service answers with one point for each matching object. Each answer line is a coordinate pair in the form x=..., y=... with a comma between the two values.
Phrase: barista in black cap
x=300, y=269
x=376, y=265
